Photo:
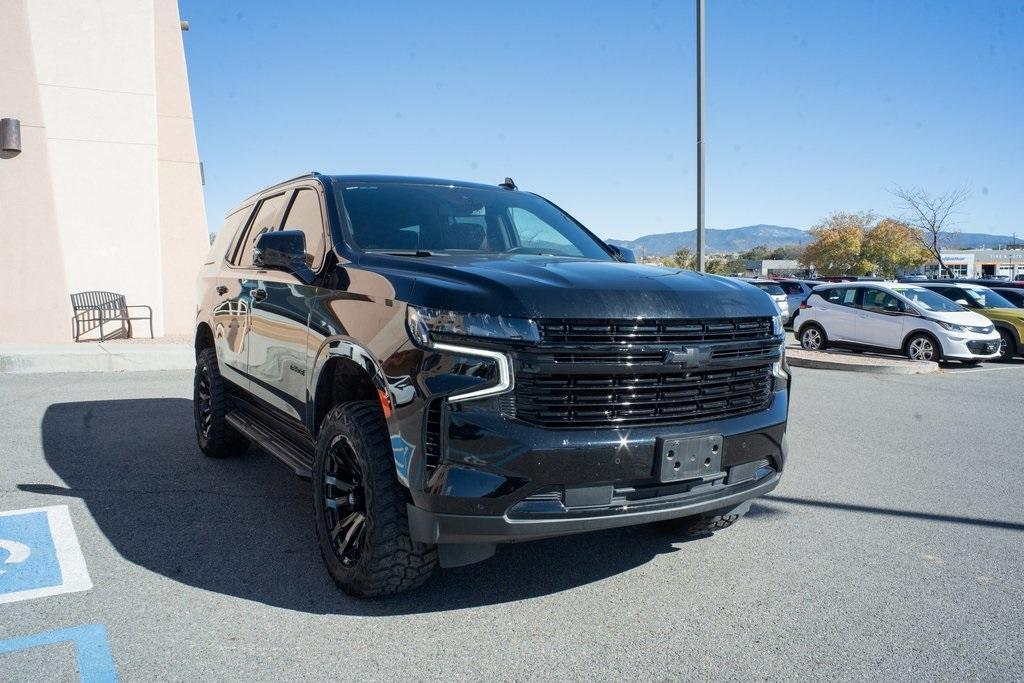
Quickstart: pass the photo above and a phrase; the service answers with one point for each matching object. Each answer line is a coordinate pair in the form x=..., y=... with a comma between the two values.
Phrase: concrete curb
x=837, y=361
x=94, y=357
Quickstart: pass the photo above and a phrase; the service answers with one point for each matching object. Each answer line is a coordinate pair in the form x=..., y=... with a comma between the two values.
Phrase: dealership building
x=979, y=263
x=100, y=181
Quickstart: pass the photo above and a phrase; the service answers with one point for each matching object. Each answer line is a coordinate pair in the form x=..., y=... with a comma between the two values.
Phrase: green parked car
x=1008, y=319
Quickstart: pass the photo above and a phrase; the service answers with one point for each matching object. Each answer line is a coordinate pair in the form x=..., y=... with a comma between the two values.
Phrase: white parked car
x=778, y=295
x=797, y=292
x=895, y=317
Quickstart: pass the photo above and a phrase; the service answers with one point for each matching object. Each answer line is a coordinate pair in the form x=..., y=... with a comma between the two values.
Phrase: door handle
x=221, y=289
x=259, y=294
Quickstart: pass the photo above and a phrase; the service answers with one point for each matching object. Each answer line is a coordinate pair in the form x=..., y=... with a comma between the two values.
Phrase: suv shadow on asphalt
x=242, y=526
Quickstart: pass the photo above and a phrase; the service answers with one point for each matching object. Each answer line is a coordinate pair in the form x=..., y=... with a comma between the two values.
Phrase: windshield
x=983, y=297
x=423, y=220
x=771, y=288
x=927, y=300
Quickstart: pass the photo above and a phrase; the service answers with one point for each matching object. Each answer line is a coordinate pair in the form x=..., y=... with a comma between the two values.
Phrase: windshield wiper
x=419, y=253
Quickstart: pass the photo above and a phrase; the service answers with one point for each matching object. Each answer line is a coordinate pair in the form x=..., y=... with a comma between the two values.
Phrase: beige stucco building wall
x=106, y=193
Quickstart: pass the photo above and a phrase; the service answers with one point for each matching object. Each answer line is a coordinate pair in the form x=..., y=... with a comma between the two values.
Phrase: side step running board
x=277, y=446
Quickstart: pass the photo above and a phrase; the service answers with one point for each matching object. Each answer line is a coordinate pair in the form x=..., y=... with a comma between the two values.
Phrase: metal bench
x=93, y=310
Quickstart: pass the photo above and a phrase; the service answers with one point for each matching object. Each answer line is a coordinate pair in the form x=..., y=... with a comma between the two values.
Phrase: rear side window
x=843, y=296
x=792, y=288
x=305, y=215
x=266, y=219
x=770, y=288
x=226, y=235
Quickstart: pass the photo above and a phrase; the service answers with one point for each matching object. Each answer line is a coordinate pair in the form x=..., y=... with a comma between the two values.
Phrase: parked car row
x=933, y=320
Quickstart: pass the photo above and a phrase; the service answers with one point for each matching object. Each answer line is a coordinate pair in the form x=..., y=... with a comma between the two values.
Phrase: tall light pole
x=700, y=135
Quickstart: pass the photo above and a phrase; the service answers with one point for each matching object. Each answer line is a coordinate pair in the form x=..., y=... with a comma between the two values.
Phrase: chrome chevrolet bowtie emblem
x=672, y=357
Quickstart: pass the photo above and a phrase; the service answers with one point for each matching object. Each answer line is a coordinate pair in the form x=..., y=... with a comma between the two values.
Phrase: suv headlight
x=776, y=325
x=428, y=325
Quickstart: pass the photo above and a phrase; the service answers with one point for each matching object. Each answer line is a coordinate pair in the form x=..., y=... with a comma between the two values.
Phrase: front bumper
x=503, y=481
x=971, y=346
x=439, y=528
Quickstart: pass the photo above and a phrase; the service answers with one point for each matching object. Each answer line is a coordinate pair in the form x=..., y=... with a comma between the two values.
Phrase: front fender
x=393, y=393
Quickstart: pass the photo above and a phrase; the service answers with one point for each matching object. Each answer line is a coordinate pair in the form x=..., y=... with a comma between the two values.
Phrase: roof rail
x=307, y=174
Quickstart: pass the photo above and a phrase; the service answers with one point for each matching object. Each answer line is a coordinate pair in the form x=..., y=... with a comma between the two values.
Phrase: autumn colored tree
x=892, y=246
x=836, y=249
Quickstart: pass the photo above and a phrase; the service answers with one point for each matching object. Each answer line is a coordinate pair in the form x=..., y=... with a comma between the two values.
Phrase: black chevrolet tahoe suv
x=457, y=365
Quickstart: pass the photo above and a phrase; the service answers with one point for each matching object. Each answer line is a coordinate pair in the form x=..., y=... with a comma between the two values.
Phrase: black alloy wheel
x=344, y=501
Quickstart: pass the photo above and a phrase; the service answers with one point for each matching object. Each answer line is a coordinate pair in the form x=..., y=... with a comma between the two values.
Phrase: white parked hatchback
x=897, y=318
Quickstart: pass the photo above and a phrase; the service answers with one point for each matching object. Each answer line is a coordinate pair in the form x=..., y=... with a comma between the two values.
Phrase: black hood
x=553, y=287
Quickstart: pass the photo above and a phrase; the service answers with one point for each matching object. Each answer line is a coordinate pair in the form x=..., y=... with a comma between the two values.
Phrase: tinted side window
x=305, y=215
x=227, y=235
x=792, y=287
x=266, y=219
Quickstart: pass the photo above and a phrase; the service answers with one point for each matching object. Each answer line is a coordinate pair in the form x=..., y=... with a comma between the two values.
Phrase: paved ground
x=892, y=550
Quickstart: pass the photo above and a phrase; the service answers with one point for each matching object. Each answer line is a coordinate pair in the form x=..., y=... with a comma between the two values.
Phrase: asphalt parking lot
x=892, y=550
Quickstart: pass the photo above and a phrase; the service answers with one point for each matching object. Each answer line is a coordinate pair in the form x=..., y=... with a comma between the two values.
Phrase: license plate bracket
x=688, y=457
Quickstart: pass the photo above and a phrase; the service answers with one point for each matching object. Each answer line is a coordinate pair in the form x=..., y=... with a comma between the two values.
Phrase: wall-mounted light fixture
x=10, y=135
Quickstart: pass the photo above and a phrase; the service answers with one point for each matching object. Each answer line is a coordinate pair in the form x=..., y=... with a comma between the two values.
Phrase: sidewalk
x=171, y=353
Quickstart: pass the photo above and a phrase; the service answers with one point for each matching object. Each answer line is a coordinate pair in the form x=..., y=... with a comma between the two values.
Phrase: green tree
x=893, y=245
x=683, y=258
x=836, y=249
x=758, y=253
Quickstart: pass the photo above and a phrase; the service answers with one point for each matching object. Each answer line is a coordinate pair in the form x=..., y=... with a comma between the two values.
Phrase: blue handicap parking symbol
x=31, y=560
x=39, y=554
x=92, y=650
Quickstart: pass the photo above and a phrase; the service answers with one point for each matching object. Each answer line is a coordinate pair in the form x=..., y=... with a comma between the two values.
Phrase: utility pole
x=700, y=135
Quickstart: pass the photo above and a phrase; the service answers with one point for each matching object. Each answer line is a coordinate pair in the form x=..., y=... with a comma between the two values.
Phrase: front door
x=279, y=317
x=881, y=319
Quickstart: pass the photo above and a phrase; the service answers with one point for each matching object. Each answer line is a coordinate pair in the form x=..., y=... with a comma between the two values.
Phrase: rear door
x=881, y=319
x=279, y=317
x=795, y=294
x=220, y=295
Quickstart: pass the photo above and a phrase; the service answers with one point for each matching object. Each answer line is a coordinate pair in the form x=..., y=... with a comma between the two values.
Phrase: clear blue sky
x=813, y=106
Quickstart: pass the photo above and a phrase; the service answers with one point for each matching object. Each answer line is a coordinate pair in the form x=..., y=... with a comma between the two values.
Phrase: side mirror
x=283, y=250
x=961, y=302
x=623, y=253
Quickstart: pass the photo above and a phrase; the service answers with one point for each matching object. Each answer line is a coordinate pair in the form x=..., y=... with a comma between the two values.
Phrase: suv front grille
x=642, y=331
x=634, y=399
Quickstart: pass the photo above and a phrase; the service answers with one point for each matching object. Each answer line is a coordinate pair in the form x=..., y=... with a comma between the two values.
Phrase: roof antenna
x=509, y=184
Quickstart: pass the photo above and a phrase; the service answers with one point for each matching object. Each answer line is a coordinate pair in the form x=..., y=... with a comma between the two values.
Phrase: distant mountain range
x=717, y=240
x=731, y=240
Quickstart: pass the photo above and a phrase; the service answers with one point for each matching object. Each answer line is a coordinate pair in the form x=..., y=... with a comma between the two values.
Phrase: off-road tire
x=389, y=561
x=218, y=439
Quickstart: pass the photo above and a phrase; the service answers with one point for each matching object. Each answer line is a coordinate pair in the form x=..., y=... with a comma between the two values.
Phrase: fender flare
x=343, y=347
